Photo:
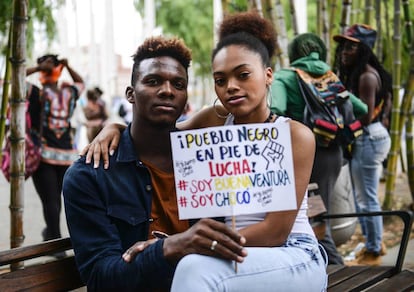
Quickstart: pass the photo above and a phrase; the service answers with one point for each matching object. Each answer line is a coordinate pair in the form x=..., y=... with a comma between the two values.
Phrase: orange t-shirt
x=164, y=210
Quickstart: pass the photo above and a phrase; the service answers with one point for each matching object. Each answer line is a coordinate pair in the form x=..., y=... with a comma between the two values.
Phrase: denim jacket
x=107, y=211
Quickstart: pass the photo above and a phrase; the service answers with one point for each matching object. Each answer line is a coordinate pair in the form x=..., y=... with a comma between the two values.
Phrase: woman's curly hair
x=161, y=46
x=248, y=29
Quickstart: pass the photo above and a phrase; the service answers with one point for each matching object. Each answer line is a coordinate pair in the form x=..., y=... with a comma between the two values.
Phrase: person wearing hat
x=361, y=72
x=308, y=53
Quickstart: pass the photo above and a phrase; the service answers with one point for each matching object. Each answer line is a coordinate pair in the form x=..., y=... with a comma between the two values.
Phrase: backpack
x=328, y=111
x=32, y=144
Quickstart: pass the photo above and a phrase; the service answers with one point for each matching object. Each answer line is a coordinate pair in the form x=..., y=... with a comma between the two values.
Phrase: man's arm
x=96, y=239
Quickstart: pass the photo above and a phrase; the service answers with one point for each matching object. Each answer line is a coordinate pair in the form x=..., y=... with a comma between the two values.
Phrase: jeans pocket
x=381, y=146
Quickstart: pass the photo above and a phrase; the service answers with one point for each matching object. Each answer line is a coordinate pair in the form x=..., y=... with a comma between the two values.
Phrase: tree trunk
x=397, y=120
x=380, y=34
x=345, y=16
x=277, y=17
x=332, y=18
x=369, y=12
x=6, y=87
x=293, y=17
x=17, y=121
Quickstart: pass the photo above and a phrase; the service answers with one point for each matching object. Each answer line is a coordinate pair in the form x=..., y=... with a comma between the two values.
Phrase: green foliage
x=39, y=11
x=191, y=20
x=237, y=6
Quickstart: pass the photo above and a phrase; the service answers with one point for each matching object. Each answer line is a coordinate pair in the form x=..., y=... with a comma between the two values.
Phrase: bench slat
x=57, y=275
x=358, y=277
x=33, y=251
x=404, y=281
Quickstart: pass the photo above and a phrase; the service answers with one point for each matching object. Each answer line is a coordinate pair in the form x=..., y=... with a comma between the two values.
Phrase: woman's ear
x=130, y=94
x=269, y=76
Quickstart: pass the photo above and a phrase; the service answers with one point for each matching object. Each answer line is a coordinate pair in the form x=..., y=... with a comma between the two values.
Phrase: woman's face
x=241, y=82
x=349, y=53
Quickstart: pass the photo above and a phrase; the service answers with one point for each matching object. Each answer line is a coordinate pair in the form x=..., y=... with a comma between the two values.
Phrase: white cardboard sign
x=233, y=170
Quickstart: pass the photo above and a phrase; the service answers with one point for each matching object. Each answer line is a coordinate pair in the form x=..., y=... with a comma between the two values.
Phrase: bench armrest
x=405, y=216
x=22, y=253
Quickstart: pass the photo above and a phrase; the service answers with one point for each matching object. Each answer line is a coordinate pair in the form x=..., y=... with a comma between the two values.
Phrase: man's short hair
x=160, y=46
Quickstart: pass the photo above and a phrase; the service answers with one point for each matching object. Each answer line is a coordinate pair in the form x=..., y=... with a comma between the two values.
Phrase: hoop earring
x=217, y=113
x=269, y=96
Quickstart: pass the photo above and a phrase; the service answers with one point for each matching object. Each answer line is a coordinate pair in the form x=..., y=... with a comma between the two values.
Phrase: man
x=108, y=211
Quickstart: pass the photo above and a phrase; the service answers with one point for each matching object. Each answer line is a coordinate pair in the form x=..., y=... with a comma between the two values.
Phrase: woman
x=95, y=112
x=278, y=242
x=56, y=106
x=362, y=74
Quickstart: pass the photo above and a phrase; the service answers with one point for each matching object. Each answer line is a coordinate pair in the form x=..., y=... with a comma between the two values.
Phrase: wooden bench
x=49, y=274
x=368, y=278
x=40, y=271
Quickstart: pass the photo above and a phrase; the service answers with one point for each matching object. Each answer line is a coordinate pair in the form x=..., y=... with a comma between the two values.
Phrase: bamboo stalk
x=397, y=119
x=378, y=14
x=345, y=16
x=369, y=12
x=17, y=123
x=276, y=15
x=409, y=95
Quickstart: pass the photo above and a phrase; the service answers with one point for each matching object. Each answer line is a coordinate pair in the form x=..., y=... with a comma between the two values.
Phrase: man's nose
x=166, y=89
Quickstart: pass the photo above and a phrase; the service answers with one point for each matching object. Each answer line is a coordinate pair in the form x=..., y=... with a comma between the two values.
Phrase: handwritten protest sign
x=233, y=170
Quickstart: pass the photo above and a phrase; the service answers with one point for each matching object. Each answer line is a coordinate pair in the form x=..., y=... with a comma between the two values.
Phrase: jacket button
x=148, y=188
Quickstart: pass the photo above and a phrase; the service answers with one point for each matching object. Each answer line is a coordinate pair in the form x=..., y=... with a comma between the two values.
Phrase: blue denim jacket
x=107, y=211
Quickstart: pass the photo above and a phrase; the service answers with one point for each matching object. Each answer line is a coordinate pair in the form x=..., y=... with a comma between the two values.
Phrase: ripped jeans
x=298, y=265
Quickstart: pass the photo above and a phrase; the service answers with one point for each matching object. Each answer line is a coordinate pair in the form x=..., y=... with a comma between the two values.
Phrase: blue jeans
x=369, y=151
x=298, y=265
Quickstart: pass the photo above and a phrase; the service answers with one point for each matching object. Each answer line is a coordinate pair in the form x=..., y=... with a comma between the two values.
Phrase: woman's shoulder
x=301, y=134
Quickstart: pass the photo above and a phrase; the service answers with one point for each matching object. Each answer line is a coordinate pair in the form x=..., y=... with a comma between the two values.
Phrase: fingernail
x=242, y=240
x=126, y=257
x=95, y=164
x=111, y=152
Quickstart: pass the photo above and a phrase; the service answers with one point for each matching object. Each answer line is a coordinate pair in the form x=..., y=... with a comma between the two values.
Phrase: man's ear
x=130, y=94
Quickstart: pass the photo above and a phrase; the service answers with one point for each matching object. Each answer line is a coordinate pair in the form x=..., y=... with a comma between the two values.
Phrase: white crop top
x=301, y=224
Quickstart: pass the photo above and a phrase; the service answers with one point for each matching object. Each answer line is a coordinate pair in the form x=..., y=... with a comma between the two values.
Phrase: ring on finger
x=213, y=245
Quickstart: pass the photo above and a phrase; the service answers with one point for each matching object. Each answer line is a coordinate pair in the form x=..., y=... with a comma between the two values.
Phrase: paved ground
x=34, y=223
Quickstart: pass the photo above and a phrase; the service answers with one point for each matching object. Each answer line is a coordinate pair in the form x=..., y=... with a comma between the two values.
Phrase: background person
x=95, y=112
x=362, y=73
x=308, y=53
x=56, y=106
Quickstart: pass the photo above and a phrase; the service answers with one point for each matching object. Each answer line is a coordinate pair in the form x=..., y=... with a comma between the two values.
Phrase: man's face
x=160, y=92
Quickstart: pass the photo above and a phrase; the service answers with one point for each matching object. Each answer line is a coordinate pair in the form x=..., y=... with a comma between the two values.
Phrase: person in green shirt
x=308, y=53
